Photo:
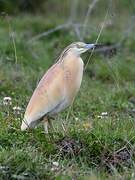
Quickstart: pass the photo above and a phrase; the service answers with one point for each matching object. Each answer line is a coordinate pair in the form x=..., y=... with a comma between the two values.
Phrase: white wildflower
x=104, y=114
x=7, y=101
x=53, y=169
x=55, y=166
x=76, y=118
x=17, y=109
x=55, y=163
x=100, y=117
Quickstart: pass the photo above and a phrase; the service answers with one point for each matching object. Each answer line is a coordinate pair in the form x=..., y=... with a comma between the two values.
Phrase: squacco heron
x=57, y=88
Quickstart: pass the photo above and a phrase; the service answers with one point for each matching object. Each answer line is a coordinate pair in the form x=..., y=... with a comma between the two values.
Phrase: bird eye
x=79, y=46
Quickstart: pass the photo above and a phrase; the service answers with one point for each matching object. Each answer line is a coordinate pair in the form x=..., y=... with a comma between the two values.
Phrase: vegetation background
x=99, y=137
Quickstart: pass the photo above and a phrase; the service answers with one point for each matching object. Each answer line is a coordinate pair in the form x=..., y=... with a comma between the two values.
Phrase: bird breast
x=72, y=76
x=73, y=72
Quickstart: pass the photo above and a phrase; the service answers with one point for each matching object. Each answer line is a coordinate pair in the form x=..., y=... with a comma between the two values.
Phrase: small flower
x=17, y=109
x=7, y=101
x=100, y=117
x=104, y=114
x=53, y=169
x=55, y=163
x=55, y=166
x=76, y=118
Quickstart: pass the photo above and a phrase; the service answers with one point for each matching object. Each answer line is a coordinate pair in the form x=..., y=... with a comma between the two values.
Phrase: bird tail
x=24, y=125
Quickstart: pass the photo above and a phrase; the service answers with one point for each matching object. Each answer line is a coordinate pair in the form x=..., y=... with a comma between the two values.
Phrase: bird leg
x=47, y=124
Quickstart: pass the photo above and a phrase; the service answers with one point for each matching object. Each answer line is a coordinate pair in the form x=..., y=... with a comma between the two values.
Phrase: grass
x=94, y=141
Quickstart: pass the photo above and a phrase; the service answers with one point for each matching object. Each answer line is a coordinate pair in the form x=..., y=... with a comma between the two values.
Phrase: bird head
x=80, y=47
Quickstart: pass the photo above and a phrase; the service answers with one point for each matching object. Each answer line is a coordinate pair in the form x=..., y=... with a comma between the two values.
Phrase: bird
x=57, y=88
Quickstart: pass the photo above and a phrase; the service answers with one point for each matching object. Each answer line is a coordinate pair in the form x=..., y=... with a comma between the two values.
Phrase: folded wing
x=48, y=95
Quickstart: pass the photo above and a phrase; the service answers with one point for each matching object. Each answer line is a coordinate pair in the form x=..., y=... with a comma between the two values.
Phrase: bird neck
x=69, y=54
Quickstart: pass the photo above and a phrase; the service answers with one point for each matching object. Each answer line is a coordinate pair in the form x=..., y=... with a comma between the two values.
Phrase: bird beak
x=94, y=46
x=89, y=46
x=99, y=46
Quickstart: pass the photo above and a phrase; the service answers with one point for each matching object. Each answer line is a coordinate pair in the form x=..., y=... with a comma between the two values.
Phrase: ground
x=99, y=137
